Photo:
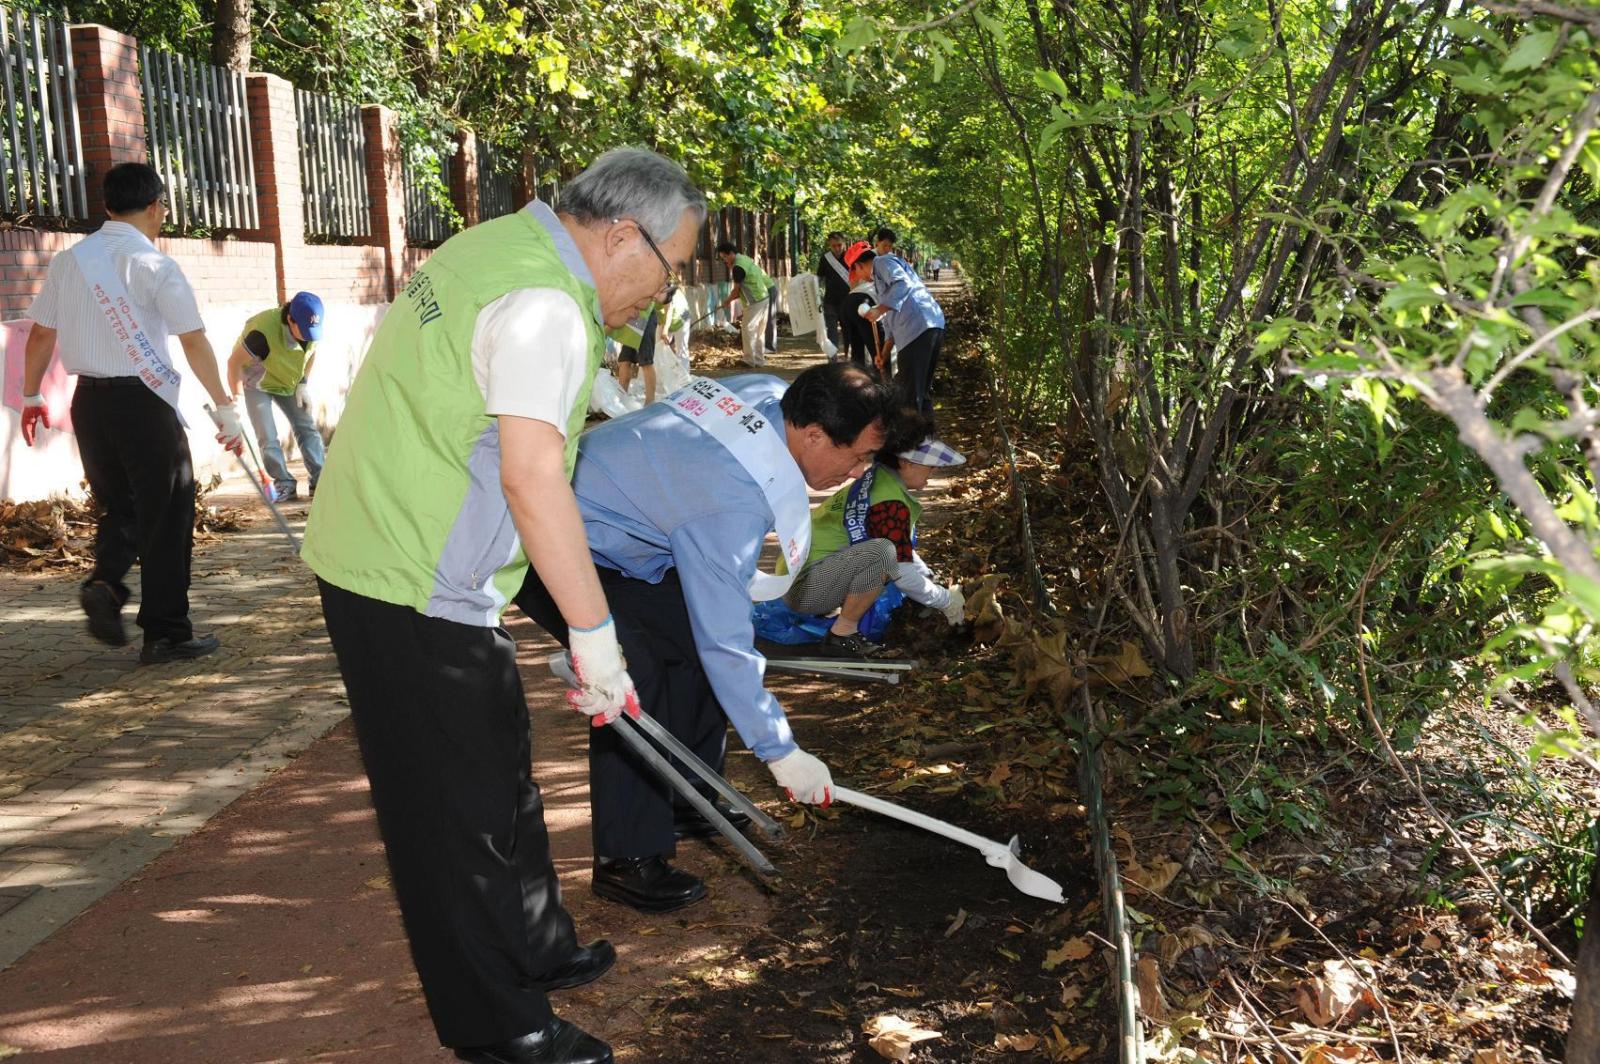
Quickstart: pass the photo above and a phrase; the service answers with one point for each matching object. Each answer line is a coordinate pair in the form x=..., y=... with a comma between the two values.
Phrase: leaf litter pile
x=1355, y=937
x=58, y=534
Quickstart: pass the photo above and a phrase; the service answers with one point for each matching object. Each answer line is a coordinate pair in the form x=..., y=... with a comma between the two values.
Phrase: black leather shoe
x=560, y=1043
x=587, y=964
x=689, y=823
x=157, y=651
x=104, y=610
x=649, y=884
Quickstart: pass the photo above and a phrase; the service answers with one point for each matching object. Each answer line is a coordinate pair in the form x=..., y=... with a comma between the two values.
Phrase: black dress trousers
x=631, y=807
x=443, y=727
x=917, y=361
x=136, y=459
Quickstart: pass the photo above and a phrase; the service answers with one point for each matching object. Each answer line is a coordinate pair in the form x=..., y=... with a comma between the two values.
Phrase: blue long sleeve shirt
x=913, y=310
x=658, y=493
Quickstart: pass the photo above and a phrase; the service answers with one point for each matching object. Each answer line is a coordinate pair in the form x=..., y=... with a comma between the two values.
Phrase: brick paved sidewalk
x=105, y=763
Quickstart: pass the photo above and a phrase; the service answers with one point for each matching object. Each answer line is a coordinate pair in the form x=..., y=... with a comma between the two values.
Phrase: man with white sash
x=677, y=500
x=835, y=278
x=110, y=304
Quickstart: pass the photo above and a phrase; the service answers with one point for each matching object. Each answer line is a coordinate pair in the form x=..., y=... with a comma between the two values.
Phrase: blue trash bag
x=777, y=623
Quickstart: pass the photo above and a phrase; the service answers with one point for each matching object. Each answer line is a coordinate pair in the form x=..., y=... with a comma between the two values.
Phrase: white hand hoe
x=999, y=855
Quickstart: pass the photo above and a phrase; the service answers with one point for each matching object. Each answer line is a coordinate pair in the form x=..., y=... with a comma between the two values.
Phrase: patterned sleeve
x=891, y=520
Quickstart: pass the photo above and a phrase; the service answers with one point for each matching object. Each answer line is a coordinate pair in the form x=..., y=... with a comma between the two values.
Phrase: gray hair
x=638, y=184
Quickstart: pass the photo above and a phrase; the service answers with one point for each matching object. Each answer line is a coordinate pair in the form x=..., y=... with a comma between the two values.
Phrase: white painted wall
x=52, y=466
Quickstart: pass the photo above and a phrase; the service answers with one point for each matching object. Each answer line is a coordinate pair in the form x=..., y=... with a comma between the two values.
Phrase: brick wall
x=411, y=260
x=342, y=274
x=226, y=271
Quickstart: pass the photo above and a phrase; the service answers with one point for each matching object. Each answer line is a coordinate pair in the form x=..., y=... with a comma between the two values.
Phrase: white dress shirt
x=161, y=296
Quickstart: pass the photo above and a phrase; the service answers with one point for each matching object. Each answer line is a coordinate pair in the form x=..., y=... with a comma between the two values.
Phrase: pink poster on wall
x=58, y=384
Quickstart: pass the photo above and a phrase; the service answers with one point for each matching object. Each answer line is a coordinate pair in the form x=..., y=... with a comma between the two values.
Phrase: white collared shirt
x=162, y=298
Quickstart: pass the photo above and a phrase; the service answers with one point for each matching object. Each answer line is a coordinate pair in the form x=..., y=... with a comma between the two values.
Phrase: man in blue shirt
x=676, y=526
x=915, y=321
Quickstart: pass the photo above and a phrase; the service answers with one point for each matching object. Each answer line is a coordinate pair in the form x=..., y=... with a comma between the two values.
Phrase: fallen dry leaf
x=1155, y=877
x=1152, y=1000
x=893, y=1038
x=955, y=925
x=1127, y=664
x=1176, y=945
x=1073, y=949
x=1337, y=995
x=1017, y=1043
x=1492, y=1055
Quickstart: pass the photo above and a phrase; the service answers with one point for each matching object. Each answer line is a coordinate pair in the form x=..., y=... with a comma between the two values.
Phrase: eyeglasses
x=673, y=280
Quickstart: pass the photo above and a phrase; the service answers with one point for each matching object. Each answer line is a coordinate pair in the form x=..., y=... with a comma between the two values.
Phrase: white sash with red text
x=116, y=310
x=760, y=447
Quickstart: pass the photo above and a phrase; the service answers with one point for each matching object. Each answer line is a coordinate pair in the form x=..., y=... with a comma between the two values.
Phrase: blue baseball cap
x=305, y=310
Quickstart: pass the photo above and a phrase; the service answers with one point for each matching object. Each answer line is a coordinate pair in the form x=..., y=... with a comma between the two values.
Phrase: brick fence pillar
x=275, y=140
x=386, y=188
x=111, y=104
x=464, y=178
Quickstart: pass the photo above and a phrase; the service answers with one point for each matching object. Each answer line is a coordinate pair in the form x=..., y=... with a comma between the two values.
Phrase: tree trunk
x=1583, y=1036
x=230, y=36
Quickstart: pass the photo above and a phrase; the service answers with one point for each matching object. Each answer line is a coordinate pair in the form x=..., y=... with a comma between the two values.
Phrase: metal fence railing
x=333, y=166
x=495, y=196
x=427, y=222
x=42, y=140
x=199, y=128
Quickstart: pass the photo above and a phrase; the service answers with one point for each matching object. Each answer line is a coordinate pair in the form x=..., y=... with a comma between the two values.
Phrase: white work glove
x=230, y=433
x=604, y=689
x=803, y=778
x=302, y=398
x=955, y=611
x=864, y=309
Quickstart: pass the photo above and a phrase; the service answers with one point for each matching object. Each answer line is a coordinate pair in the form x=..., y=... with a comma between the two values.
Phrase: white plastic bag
x=608, y=398
x=805, y=302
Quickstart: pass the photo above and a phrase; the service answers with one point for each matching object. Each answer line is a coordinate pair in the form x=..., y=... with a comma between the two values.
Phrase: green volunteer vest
x=828, y=533
x=285, y=364
x=409, y=509
x=632, y=334
x=756, y=282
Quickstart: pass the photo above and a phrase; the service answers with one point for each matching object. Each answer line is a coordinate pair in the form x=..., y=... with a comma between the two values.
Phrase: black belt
x=110, y=382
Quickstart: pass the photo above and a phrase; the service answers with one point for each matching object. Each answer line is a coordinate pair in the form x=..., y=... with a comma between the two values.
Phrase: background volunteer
x=133, y=443
x=273, y=359
x=915, y=322
x=756, y=293
x=835, y=279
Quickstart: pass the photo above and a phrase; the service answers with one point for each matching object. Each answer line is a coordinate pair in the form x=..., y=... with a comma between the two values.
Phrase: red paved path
x=271, y=934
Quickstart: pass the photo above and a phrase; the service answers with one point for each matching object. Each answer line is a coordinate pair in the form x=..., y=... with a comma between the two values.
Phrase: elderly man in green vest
x=450, y=475
x=273, y=358
x=756, y=292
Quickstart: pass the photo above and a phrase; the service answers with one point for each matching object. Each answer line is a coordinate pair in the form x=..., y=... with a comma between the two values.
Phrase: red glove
x=33, y=412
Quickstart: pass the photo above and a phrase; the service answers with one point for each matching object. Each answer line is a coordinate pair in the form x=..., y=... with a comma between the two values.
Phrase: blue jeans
x=259, y=405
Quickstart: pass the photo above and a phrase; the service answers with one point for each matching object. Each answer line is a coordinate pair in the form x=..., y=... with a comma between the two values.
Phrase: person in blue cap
x=273, y=358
